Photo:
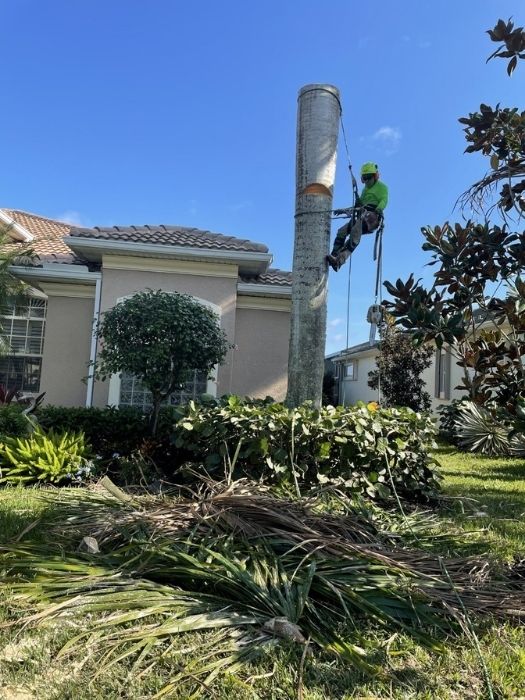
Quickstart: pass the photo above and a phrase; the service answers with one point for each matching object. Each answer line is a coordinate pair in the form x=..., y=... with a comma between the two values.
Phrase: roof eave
x=16, y=231
x=251, y=262
x=55, y=272
x=349, y=354
x=264, y=290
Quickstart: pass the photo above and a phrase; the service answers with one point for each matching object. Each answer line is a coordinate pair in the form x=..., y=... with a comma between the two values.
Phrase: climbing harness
x=375, y=312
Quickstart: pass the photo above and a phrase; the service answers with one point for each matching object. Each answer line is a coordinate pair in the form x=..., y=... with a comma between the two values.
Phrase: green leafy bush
x=108, y=430
x=44, y=457
x=12, y=421
x=362, y=449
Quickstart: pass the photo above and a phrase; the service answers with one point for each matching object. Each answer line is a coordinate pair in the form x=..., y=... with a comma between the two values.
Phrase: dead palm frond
x=244, y=567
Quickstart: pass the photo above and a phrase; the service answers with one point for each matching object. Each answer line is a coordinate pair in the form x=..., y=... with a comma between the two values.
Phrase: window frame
x=353, y=376
x=25, y=354
x=442, y=374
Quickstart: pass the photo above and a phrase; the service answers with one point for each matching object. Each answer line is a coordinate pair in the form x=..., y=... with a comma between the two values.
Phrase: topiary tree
x=400, y=364
x=160, y=338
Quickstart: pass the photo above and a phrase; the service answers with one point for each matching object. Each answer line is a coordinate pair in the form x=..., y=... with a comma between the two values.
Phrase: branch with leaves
x=499, y=133
x=484, y=333
x=512, y=40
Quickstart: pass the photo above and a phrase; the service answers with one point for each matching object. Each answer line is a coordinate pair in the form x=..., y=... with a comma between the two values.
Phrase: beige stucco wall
x=354, y=390
x=261, y=354
x=214, y=283
x=66, y=349
x=257, y=327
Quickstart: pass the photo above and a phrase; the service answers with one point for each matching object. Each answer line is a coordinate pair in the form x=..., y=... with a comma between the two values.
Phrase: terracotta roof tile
x=49, y=234
x=271, y=276
x=170, y=235
x=50, y=247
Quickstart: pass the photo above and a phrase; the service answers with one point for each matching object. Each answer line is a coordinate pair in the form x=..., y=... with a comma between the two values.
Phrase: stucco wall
x=354, y=390
x=261, y=355
x=219, y=290
x=66, y=350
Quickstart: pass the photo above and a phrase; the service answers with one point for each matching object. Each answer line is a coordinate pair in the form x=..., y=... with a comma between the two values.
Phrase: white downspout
x=93, y=349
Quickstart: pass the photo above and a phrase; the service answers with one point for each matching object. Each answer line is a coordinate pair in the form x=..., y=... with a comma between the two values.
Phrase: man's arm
x=383, y=199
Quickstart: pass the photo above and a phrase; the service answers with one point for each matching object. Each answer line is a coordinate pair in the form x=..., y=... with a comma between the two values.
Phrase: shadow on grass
x=24, y=516
x=506, y=472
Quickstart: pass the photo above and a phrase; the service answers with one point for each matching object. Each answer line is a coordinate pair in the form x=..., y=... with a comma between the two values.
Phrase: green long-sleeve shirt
x=376, y=194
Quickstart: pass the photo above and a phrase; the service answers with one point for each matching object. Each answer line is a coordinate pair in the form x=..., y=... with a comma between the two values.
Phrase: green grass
x=494, y=487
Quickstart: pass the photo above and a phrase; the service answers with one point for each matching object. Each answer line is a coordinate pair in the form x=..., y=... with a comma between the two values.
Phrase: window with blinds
x=24, y=329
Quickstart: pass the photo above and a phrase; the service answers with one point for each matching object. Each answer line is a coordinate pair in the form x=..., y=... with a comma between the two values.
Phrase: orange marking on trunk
x=316, y=188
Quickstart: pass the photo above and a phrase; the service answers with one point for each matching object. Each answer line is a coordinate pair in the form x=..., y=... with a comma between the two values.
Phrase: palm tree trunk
x=317, y=130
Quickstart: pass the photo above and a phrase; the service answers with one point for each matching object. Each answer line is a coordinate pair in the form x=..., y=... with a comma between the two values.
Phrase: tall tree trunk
x=317, y=131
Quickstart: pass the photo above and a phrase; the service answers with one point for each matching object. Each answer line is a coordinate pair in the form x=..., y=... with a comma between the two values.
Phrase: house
x=351, y=366
x=82, y=272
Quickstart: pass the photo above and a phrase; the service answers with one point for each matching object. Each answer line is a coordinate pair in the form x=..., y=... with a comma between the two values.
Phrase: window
x=351, y=370
x=24, y=328
x=442, y=374
x=337, y=370
x=133, y=393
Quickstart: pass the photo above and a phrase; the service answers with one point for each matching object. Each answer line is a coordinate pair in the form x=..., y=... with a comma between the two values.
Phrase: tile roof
x=169, y=235
x=50, y=247
x=271, y=276
x=48, y=234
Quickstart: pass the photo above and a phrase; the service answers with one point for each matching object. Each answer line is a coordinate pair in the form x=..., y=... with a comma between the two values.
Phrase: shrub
x=44, y=457
x=449, y=414
x=109, y=430
x=361, y=449
x=400, y=365
x=12, y=421
x=484, y=429
x=160, y=338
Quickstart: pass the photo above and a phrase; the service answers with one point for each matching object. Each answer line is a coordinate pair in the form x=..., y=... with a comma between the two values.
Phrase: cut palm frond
x=244, y=567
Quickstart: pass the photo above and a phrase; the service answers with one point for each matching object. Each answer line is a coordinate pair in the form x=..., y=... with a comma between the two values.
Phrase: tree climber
x=365, y=217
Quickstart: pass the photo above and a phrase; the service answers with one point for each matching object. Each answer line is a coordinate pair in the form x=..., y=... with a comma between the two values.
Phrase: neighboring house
x=352, y=365
x=82, y=272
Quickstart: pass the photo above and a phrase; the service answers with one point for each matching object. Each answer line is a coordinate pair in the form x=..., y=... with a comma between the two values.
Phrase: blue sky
x=133, y=112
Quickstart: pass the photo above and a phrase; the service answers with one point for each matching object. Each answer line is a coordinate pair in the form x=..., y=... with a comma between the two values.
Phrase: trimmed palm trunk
x=317, y=131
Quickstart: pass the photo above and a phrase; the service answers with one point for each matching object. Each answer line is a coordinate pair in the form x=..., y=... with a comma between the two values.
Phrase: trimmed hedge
x=13, y=423
x=108, y=430
x=364, y=449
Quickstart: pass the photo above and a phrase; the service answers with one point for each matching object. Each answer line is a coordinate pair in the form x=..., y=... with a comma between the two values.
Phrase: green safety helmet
x=369, y=169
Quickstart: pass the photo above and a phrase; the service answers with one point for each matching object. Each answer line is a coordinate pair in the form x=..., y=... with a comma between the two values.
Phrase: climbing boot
x=333, y=262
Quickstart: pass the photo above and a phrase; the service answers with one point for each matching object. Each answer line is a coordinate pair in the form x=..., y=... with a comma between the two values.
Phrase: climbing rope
x=348, y=301
x=375, y=313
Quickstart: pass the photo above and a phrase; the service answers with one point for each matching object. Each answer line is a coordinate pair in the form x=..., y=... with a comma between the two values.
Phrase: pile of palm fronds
x=247, y=568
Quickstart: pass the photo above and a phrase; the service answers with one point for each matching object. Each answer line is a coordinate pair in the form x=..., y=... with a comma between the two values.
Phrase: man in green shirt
x=364, y=218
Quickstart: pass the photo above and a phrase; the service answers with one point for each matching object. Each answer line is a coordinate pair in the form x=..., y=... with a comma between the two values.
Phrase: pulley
x=374, y=318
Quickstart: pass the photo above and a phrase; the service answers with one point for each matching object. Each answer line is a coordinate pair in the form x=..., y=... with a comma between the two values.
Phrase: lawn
x=483, y=506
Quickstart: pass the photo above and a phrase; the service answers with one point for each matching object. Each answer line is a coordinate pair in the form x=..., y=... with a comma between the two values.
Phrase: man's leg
x=339, y=246
x=355, y=233
x=340, y=238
